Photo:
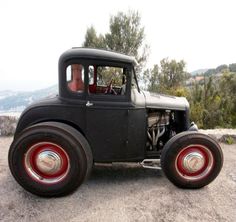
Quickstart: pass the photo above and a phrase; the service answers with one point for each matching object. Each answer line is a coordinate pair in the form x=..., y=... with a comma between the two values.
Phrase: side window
x=75, y=78
x=107, y=80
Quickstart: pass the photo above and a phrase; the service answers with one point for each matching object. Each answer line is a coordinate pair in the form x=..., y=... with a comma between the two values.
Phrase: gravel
x=123, y=192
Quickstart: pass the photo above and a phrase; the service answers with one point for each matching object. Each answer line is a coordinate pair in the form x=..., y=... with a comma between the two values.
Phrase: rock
x=227, y=136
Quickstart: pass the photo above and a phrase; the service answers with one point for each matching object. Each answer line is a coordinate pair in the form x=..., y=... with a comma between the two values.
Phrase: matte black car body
x=58, y=139
x=115, y=128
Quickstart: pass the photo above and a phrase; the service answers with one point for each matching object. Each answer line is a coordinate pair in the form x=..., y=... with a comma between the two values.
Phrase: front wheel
x=191, y=160
x=50, y=159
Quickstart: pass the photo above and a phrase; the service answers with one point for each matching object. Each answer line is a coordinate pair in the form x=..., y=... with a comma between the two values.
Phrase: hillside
x=198, y=71
x=11, y=101
x=15, y=101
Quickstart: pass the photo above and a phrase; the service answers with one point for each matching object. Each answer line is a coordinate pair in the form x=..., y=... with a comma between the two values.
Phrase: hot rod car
x=101, y=116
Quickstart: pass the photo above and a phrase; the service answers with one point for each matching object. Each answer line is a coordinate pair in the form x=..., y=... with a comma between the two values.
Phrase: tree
x=151, y=78
x=126, y=35
x=92, y=40
x=169, y=78
x=221, y=68
x=213, y=104
x=205, y=102
x=232, y=67
x=173, y=73
x=228, y=91
x=210, y=72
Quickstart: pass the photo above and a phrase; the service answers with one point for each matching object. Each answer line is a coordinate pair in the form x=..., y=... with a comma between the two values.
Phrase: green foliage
x=212, y=100
x=92, y=40
x=213, y=104
x=108, y=74
x=172, y=73
x=151, y=78
x=228, y=91
x=126, y=35
x=209, y=72
x=221, y=68
x=196, y=113
x=232, y=67
x=169, y=78
x=229, y=140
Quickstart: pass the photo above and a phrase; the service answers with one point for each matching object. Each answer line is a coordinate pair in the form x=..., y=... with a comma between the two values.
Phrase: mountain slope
x=11, y=101
x=198, y=71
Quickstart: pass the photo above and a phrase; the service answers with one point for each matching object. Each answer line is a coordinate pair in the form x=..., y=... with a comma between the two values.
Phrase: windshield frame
x=135, y=78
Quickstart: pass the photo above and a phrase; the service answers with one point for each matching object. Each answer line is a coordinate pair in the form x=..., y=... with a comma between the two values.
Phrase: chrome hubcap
x=48, y=162
x=193, y=162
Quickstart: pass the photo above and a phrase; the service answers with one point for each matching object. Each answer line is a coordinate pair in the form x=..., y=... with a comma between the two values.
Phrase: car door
x=107, y=126
x=107, y=116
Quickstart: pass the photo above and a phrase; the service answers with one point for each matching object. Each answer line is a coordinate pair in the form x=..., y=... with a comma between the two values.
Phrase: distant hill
x=11, y=101
x=6, y=93
x=218, y=70
x=198, y=71
x=14, y=102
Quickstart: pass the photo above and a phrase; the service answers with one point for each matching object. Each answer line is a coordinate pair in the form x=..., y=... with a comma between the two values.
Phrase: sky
x=34, y=33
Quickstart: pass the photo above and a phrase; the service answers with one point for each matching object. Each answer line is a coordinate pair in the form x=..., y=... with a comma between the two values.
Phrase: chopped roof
x=92, y=53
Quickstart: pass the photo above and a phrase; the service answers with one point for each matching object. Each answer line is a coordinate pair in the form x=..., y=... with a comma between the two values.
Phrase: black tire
x=70, y=148
x=175, y=154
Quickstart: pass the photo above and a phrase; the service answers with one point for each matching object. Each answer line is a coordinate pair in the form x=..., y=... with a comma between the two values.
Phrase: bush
x=8, y=125
x=228, y=139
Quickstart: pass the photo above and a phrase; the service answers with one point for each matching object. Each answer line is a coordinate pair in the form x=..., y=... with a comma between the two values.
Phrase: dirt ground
x=123, y=193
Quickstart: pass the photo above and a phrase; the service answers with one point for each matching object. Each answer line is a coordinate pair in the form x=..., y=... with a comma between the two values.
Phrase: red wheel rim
x=46, y=163
x=194, y=162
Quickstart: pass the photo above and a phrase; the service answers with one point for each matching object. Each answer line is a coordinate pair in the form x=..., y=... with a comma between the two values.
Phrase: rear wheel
x=50, y=159
x=191, y=160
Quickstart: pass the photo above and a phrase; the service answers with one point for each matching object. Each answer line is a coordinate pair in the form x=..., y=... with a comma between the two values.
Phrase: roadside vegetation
x=211, y=94
x=8, y=125
x=211, y=97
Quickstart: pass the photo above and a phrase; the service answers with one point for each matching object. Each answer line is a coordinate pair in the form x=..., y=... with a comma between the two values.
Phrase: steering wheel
x=109, y=89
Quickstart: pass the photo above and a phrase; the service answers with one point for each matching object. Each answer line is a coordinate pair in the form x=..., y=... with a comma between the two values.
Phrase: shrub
x=8, y=125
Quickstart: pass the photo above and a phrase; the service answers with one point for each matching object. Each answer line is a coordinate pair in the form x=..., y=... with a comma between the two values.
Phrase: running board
x=151, y=164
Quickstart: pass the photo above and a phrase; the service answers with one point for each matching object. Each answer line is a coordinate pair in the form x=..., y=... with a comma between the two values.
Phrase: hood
x=161, y=101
